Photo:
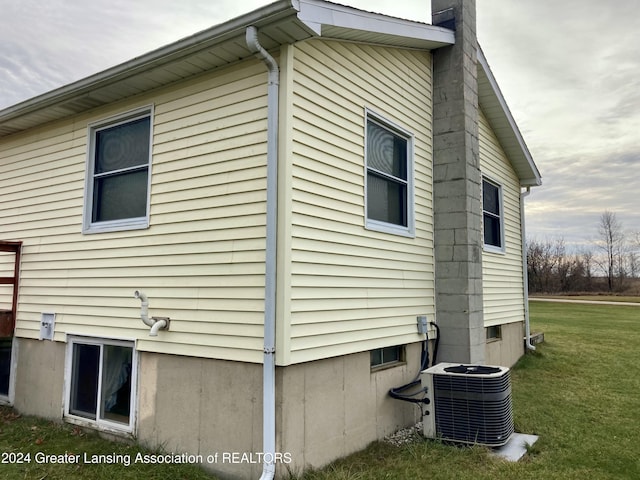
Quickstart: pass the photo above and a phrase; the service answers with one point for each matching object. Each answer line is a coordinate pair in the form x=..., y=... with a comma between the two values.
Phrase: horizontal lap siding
x=201, y=262
x=353, y=289
x=502, y=273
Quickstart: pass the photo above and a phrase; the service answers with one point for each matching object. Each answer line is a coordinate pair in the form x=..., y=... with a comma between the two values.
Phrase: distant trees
x=611, y=243
x=614, y=257
x=552, y=270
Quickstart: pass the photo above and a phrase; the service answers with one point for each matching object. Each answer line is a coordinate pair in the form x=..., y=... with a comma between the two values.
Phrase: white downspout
x=525, y=278
x=269, y=366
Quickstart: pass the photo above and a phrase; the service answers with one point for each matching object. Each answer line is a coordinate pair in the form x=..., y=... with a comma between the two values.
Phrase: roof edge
x=535, y=179
x=319, y=13
x=158, y=56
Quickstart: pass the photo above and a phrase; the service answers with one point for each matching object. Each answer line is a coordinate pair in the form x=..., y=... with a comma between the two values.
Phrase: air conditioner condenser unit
x=468, y=404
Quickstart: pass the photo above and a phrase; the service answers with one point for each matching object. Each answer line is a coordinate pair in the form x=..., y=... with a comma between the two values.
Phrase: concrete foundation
x=325, y=409
x=506, y=350
x=39, y=383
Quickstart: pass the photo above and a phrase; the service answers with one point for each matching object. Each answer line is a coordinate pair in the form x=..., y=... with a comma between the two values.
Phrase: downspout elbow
x=253, y=43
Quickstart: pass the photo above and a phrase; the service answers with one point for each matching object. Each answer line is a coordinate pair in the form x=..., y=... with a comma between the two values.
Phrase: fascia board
x=319, y=14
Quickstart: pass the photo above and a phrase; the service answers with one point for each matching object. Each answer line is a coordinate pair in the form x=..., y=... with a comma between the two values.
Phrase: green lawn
x=580, y=391
x=30, y=446
x=596, y=298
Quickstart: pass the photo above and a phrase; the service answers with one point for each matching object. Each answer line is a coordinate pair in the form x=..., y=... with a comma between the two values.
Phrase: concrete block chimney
x=457, y=187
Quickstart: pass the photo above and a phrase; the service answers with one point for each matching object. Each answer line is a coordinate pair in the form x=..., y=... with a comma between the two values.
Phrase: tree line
x=609, y=263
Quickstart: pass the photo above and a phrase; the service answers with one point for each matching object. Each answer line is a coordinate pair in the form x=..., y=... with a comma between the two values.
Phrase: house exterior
x=279, y=190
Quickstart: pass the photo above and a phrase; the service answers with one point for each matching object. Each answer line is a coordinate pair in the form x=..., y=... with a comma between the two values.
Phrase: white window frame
x=489, y=247
x=395, y=129
x=100, y=423
x=136, y=223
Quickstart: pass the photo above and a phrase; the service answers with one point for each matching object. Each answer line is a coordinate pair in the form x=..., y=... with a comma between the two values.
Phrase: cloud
x=570, y=72
x=45, y=45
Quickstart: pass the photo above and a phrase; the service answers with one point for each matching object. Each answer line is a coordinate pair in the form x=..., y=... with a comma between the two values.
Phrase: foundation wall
x=326, y=409
x=39, y=382
x=330, y=408
x=507, y=350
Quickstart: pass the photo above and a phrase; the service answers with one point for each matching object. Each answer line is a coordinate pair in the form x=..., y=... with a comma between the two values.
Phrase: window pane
x=386, y=200
x=122, y=146
x=386, y=152
x=5, y=365
x=84, y=380
x=492, y=231
x=391, y=354
x=116, y=383
x=490, y=198
x=120, y=196
x=376, y=357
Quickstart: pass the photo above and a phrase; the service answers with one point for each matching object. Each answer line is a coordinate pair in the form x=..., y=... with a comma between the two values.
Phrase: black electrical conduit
x=398, y=393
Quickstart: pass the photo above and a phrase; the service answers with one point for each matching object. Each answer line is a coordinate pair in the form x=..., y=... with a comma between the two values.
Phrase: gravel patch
x=406, y=435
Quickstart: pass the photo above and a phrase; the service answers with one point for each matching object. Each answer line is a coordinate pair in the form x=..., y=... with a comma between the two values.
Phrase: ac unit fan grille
x=473, y=410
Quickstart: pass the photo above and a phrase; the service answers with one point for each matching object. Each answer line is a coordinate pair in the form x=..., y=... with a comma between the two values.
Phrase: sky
x=569, y=71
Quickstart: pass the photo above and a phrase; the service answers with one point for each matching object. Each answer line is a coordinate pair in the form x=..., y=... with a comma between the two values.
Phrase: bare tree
x=612, y=244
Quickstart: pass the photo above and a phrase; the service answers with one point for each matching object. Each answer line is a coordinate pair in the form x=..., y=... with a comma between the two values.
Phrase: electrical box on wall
x=47, y=325
x=422, y=324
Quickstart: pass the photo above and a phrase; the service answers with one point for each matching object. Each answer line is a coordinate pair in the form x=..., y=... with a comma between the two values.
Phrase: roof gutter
x=269, y=369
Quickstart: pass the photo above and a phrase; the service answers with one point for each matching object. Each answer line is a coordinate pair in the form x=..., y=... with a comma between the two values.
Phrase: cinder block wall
x=457, y=187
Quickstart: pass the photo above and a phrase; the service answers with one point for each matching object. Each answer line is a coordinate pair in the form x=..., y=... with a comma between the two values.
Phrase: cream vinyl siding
x=201, y=261
x=353, y=289
x=503, y=299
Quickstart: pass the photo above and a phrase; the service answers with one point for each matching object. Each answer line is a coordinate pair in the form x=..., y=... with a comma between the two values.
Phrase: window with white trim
x=492, y=213
x=389, y=177
x=118, y=173
x=101, y=382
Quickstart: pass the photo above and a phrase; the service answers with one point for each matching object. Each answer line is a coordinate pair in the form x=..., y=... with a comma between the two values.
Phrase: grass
x=596, y=298
x=580, y=392
x=24, y=442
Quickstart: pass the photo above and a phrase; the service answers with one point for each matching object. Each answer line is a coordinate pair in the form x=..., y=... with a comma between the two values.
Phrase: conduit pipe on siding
x=269, y=366
x=144, y=308
x=156, y=323
x=525, y=275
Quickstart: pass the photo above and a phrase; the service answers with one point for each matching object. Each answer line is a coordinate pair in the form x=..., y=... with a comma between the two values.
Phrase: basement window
x=100, y=376
x=494, y=332
x=387, y=356
x=118, y=173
